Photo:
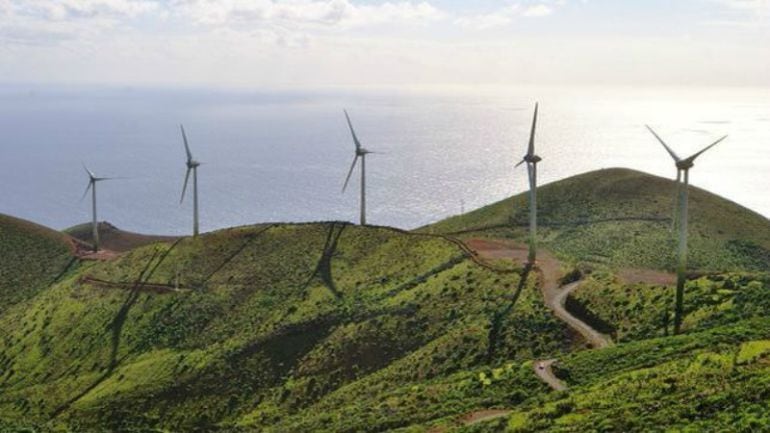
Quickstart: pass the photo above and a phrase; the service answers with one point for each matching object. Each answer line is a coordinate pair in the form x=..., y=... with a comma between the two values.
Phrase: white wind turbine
x=192, y=166
x=360, y=152
x=92, y=180
x=532, y=159
x=683, y=167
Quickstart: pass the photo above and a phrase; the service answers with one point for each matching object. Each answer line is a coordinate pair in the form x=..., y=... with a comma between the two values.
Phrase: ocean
x=283, y=155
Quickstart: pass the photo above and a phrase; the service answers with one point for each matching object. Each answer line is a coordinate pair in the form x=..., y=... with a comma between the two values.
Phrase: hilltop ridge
x=622, y=217
x=114, y=239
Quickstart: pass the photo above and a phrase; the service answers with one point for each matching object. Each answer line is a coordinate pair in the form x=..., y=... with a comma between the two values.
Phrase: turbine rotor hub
x=532, y=159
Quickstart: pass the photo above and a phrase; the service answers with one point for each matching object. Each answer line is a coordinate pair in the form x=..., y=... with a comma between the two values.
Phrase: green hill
x=113, y=238
x=257, y=326
x=331, y=327
x=32, y=257
x=620, y=217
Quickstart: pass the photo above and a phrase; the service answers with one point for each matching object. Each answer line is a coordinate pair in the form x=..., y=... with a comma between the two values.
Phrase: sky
x=373, y=43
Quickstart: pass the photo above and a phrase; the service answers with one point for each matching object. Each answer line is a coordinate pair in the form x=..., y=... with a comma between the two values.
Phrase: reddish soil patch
x=647, y=276
x=494, y=249
x=101, y=255
x=83, y=251
x=501, y=249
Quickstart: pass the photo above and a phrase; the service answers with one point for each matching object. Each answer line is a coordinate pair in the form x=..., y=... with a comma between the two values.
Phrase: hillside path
x=554, y=296
x=544, y=370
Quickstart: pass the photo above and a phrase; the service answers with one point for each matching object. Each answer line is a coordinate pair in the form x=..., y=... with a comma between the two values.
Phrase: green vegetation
x=620, y=217
x=331, y=327
x=637, y=311
x=696, y=382
x=32, y=257
x=270, y=328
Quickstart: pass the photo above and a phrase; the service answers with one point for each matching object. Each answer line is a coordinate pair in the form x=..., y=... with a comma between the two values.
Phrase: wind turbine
x=359, y=153
x=92, y=180
x=531, y=159
x=683, y=167
x=192, y=166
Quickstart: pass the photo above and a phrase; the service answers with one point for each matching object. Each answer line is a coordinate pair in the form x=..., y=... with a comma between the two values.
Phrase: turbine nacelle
x=532, y=159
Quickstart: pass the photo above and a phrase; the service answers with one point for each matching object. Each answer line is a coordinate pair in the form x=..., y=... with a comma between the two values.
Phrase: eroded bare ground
x=647, y=276
x=84, y=251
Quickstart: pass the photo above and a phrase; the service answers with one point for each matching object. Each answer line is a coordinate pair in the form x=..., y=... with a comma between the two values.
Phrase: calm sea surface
x=283, y=156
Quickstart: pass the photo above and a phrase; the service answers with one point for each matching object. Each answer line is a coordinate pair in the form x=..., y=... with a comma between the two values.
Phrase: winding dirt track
x=544, y=370
x=554, y=296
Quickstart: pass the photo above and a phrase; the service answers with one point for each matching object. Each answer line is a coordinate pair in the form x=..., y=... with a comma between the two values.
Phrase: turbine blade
x=186, y=146
x=671, y=152
x=184, y=188
x=350, y=173
x=90, y=173
x=531, y=148
x=352, y=131
x=87, y=189
x=522, y=162
x=692, y=158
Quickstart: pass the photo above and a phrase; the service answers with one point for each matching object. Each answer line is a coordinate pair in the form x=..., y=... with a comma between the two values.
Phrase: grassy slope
x=337, y=328
x=638, y=311
x=273, y=327
x=714, y=380
x=621, y=217
x=31, y=258
x=715, y=377
x=113, y=238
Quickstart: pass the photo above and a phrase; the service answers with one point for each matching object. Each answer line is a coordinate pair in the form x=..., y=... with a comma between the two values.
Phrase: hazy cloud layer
x=386, y=42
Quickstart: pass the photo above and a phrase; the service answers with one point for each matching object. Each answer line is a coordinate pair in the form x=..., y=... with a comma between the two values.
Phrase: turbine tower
x=92, y=180
x=192, y=166
x=532, y=159
x=360, y=152
x=683, y=167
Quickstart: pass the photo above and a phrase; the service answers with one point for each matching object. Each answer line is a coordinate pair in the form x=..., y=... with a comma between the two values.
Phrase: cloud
x=540, y=10
x=748, y=9
x=506, y=15
x=49, y=22
x=56, y=21
x=68, y=9
x=501, y=17
x=304, y=13
x=746, y=5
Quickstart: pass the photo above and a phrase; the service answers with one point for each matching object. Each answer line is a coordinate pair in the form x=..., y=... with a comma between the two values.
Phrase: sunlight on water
x=283, y=157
